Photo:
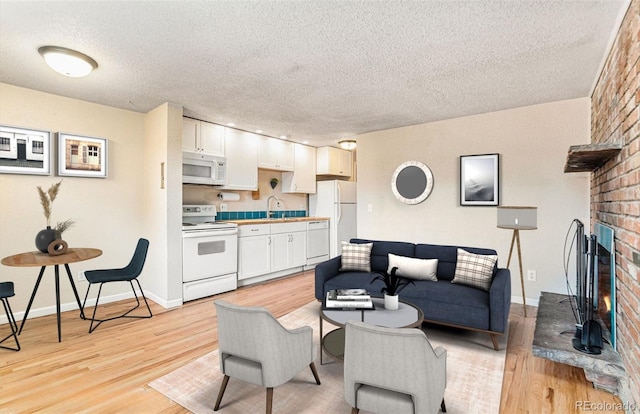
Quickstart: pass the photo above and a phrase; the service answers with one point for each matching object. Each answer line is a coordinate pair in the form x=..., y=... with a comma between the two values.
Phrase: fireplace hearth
x=555, y=326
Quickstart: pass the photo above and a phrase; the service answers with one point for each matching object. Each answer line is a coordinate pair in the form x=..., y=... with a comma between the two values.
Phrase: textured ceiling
x=315, y=70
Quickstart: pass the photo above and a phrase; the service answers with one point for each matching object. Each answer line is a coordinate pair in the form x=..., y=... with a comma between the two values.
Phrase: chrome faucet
x=269, y=205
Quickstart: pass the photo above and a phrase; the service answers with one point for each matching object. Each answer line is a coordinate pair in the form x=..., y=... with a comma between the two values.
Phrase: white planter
x=390, y=302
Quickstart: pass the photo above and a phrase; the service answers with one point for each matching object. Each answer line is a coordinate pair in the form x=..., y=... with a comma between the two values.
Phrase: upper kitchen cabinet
x=242, y=160
x=303, y=177
x=203, y=137
x=275, y=154
x=334, y=161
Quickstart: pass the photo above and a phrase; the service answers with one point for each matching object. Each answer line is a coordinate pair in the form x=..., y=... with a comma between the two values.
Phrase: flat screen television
x=606, y=280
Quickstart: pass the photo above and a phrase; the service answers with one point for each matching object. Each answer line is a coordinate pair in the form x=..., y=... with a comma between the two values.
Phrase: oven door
x=209, y=253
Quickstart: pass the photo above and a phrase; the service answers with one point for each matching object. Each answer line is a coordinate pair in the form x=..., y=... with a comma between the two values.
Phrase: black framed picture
x=25, y=151
x=479, y=180
x=80, y=156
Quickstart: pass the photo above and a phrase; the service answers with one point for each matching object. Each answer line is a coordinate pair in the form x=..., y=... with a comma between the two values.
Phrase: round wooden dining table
x=42, y=260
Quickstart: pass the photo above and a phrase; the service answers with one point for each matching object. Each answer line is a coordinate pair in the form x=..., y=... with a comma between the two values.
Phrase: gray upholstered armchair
x=393, y=370
x=256, y=348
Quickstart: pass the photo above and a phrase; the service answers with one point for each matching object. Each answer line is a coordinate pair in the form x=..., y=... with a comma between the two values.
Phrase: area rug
x=474, y=377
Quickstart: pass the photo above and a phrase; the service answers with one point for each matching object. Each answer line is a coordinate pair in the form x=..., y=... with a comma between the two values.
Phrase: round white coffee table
x=406, y=316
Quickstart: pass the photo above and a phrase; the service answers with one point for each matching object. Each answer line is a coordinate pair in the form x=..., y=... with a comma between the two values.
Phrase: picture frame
x=24, y=151
x=80, y=156
x=480, y=180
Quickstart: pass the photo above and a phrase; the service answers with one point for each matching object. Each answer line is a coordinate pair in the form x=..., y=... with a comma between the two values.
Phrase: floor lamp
x=516, y=219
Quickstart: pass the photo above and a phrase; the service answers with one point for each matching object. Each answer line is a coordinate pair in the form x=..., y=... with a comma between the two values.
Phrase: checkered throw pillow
x=356, y=256
x=475, y=270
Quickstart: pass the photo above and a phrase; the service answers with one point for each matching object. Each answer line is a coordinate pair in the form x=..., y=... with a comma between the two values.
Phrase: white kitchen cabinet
x=288, y=245
x=275, y=154
x=303, y=177
x=272, y=250
x=254, y=250
x=203, y=137
x=242, y=160
x=334, y=161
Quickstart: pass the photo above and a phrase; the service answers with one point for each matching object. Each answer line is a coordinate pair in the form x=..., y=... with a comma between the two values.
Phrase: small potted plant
x=392, y=283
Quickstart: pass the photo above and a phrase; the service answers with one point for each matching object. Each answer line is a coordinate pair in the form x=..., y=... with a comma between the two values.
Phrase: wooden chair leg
x=269, y=399
x=443, y=407
x=223, y=387
x=315, y=372
x=355, y=410
x=494, y=339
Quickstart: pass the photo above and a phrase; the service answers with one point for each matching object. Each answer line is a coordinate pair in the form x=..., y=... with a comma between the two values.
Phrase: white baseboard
x=530, y=302
x=167, y=304
x=64, y=307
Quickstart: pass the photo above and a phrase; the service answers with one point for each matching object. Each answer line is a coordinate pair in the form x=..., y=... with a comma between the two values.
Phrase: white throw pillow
x=410, y=267
x=356, y=256
x=475, y=270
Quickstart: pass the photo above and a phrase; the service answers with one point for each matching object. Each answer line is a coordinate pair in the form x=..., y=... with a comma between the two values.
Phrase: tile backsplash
x=248, y=215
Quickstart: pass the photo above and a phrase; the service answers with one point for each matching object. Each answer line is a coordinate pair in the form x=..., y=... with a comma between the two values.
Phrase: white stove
x=202, y=217
x=209, y=253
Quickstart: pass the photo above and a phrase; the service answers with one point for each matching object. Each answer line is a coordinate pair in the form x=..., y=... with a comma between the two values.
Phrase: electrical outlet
x=223, y=207
x=531, y=275
x=81, y=277
x=370, y=208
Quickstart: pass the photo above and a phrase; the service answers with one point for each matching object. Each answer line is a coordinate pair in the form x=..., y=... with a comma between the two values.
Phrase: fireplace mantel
x=588, y=157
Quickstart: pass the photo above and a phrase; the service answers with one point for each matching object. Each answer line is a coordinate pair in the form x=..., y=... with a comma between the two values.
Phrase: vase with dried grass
x=45, y=237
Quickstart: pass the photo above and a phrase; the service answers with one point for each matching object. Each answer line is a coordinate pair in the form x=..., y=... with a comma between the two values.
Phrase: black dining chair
x=6, y=291
x=129, y=274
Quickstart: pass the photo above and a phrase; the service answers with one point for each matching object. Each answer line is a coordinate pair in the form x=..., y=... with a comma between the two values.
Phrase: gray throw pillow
x=356, y=256
x=475, y=270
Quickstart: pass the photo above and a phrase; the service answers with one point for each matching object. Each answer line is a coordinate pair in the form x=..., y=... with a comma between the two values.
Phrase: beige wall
x=532, y=143
x=107, y=211
x=163, y=203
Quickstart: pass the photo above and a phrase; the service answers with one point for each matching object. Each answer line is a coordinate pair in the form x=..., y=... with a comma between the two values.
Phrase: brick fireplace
x=615, y=186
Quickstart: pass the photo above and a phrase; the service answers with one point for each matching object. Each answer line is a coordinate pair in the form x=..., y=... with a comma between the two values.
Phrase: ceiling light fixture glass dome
x=67, y=61
x=348, y=144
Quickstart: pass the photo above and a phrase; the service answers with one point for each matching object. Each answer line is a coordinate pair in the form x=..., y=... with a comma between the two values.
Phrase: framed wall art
x=80, y=156
x=24, y=151
x=479, y=180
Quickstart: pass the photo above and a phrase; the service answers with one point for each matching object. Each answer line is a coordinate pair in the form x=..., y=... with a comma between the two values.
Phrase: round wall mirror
x=412, y=182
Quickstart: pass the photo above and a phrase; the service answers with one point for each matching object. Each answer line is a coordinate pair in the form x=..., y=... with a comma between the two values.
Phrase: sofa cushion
x=356, y=256
x=381, y=250
x=348, y=280
x=447, y=257
x=452, y=304
x=475, y=270
x=412, y=268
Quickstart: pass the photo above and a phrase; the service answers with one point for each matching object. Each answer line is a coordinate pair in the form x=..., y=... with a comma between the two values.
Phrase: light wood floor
x=108, y=371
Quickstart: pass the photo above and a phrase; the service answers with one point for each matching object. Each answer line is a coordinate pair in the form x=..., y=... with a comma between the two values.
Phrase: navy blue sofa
x=442, y=302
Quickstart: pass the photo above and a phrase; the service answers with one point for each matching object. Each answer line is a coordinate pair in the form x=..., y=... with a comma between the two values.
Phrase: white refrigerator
x=337, y=201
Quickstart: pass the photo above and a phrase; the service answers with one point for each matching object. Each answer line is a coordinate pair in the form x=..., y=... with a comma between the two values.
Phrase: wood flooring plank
x=109, y=370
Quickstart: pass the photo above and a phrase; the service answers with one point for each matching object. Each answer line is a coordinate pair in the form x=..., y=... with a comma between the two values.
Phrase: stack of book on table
x=348, y=299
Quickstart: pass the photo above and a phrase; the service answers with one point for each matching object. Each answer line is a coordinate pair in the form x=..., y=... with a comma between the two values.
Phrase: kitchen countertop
x=276, y=220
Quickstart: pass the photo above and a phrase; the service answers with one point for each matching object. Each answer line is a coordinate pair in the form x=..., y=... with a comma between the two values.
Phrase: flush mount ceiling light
x=68, y=62
x=348, y=144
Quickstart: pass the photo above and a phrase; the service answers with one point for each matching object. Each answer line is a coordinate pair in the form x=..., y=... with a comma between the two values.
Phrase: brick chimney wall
x=615, y=186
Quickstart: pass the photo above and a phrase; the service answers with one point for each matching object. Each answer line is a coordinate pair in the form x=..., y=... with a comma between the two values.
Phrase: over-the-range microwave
x=205, y=169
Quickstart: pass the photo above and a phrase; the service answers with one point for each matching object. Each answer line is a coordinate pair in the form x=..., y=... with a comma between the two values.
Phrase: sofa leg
x=494, y=339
